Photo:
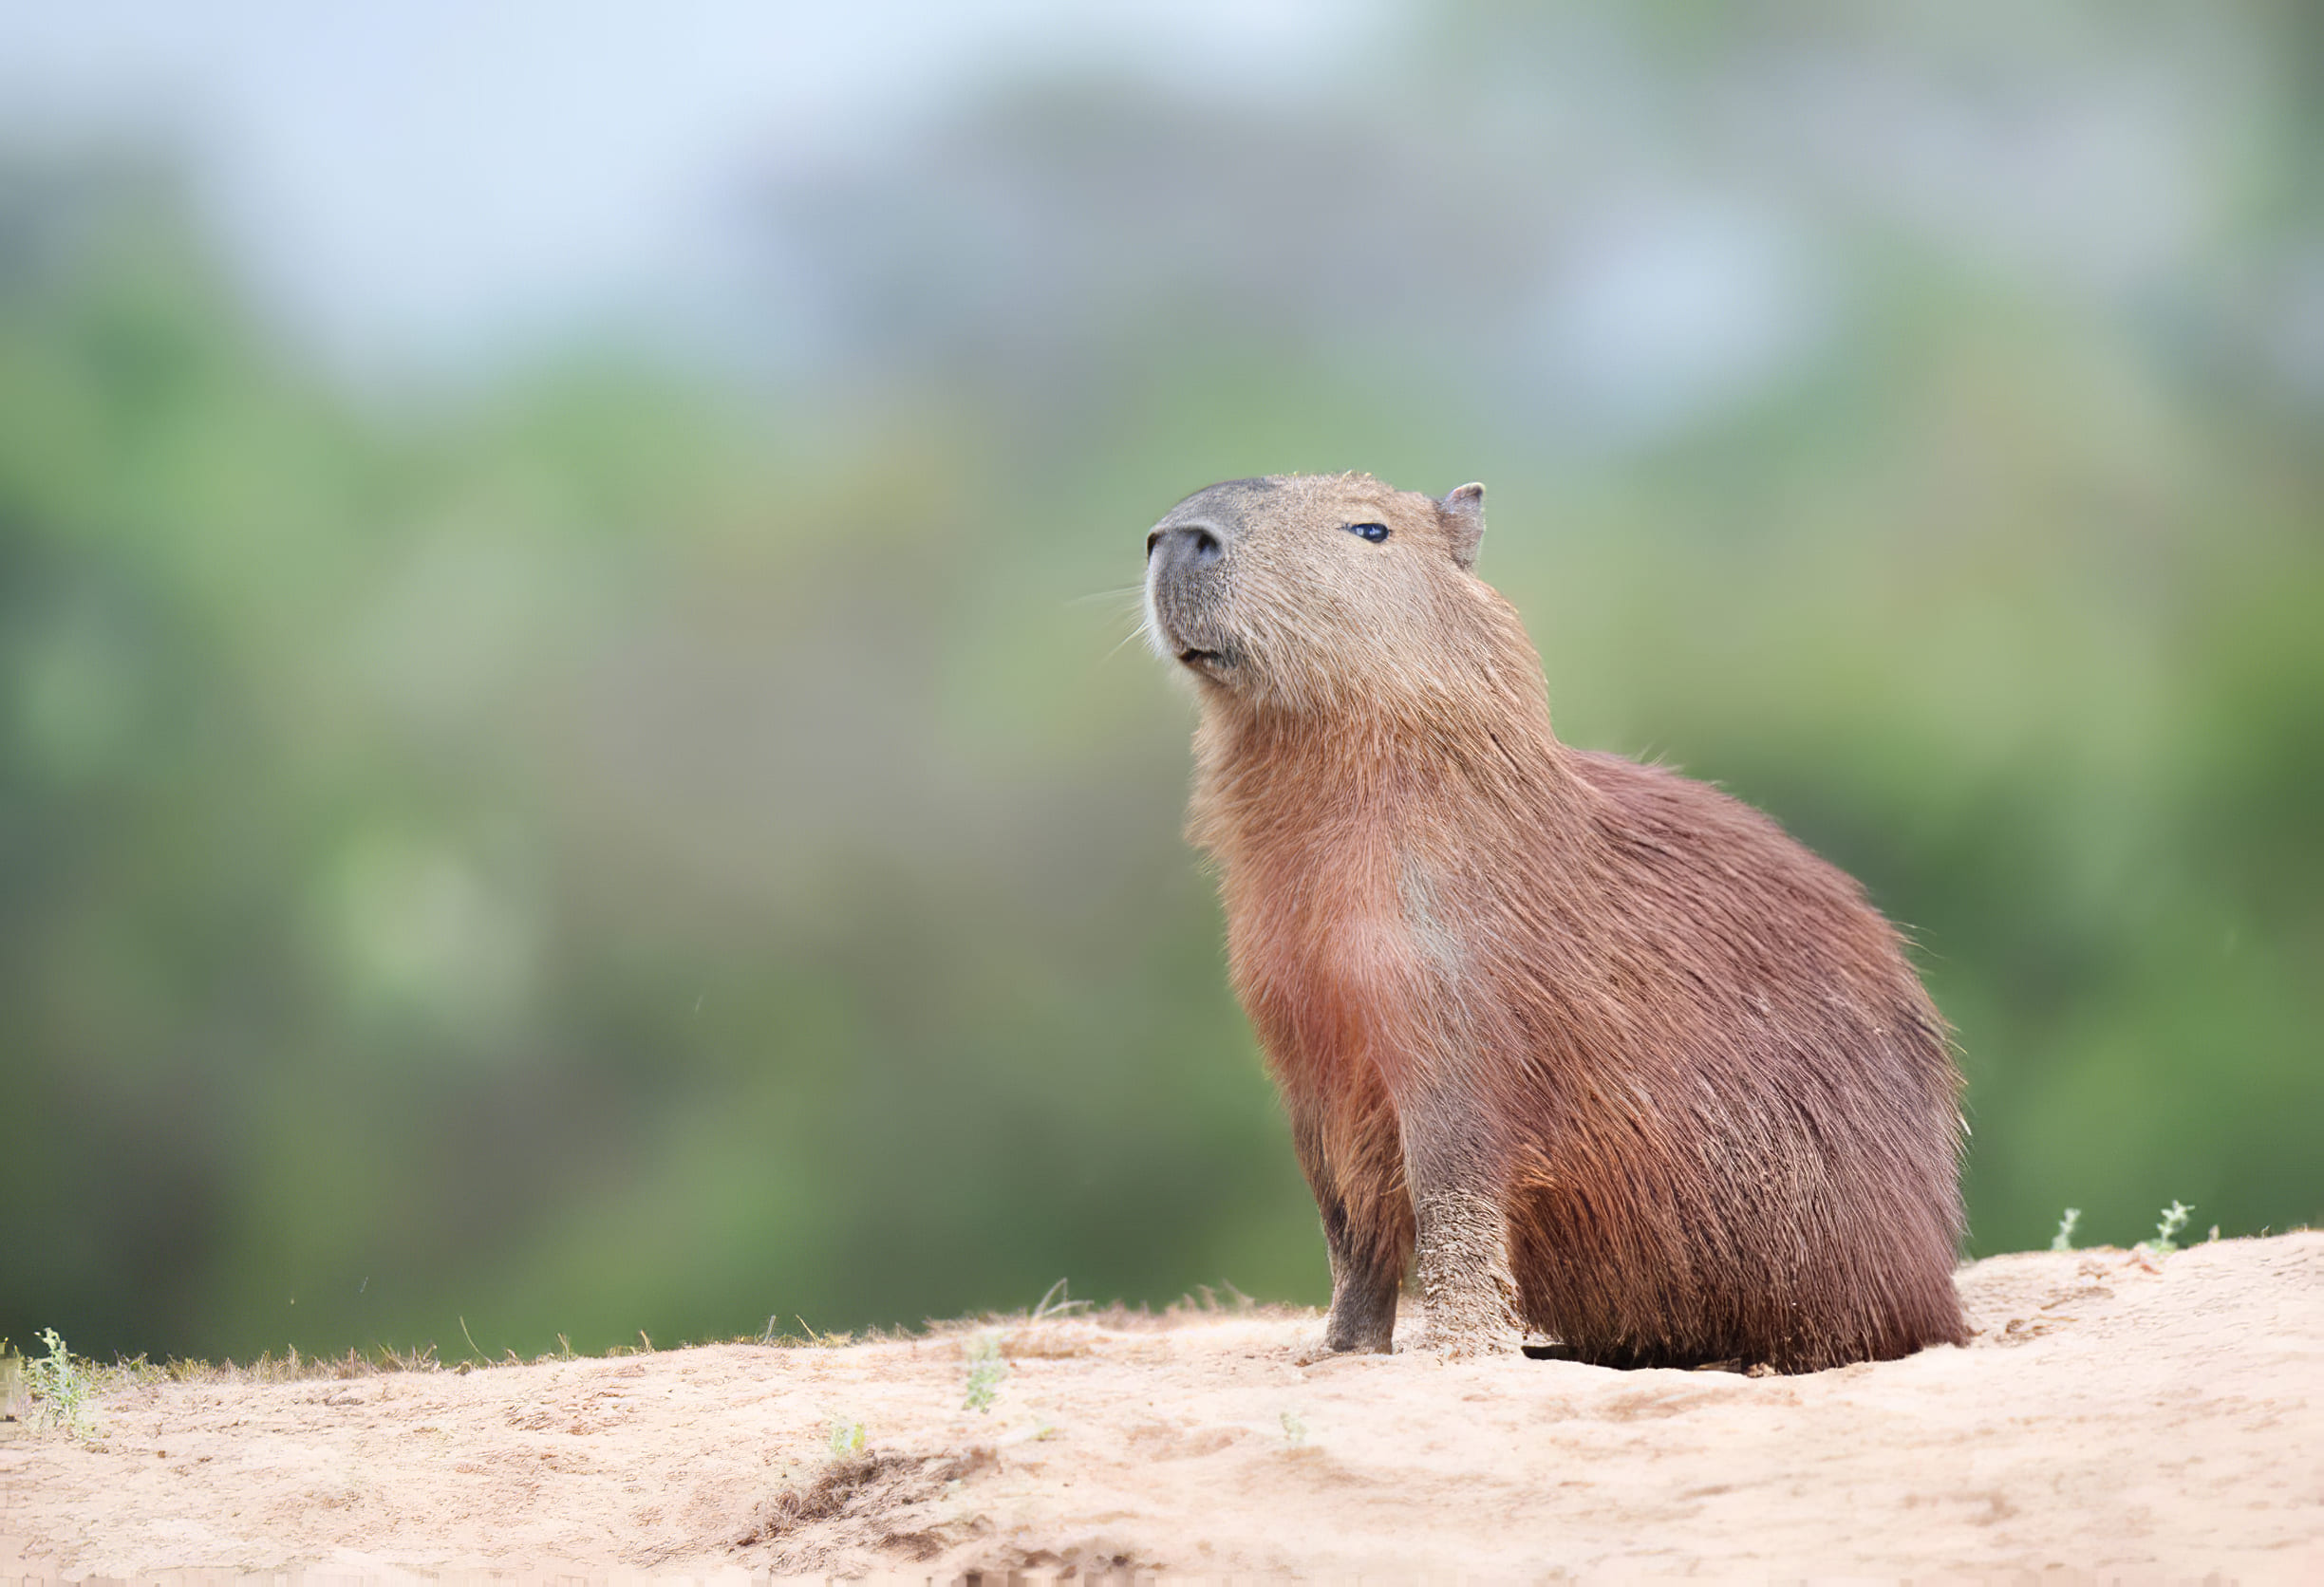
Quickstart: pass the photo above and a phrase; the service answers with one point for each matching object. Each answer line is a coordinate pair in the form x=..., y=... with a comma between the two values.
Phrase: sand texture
x=2117, y=1414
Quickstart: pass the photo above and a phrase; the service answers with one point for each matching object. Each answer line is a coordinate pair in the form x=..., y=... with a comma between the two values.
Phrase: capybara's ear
x=1463, y=510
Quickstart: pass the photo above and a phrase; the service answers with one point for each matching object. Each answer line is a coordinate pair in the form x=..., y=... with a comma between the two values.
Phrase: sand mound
x=2116, y=1414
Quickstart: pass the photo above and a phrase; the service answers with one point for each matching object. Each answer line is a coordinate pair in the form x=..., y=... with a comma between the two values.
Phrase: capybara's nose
x=1183, y=548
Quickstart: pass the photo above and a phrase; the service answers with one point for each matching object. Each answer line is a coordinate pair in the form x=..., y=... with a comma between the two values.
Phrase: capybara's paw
x=1341, y=1338
x=1467, y=1344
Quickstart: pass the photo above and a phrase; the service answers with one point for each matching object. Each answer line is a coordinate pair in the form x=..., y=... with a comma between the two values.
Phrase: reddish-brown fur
x=1618, y=1058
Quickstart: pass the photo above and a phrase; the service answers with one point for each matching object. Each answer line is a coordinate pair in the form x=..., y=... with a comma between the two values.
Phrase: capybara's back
x=1598, y=1049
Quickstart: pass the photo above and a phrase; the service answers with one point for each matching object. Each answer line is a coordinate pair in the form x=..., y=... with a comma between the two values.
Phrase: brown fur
x=1600, y=1047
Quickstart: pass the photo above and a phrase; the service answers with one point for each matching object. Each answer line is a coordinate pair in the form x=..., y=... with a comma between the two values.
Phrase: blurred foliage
x=635, y=849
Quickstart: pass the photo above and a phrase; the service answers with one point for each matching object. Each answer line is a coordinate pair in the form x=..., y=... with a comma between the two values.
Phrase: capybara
x=1591, y=1048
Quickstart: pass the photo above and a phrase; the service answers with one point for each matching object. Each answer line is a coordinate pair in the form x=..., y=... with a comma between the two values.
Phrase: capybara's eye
x=1374, y=532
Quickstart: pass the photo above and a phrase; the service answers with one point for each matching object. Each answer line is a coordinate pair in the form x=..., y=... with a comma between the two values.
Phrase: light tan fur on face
x=1613, y=1056
x=1321, y=620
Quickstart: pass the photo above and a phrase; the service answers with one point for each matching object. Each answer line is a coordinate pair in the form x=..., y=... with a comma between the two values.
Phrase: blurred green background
x=591, y=802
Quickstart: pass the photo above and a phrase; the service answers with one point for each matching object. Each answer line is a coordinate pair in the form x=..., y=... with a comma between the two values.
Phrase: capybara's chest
x=1343, y=972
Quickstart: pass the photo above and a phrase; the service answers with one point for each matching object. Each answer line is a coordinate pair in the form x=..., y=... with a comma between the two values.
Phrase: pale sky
x=410, y=179
x=433, y=186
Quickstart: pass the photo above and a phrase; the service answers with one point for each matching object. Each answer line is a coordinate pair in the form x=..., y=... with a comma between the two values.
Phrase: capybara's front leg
x=1466, y=1289
x=1367, y=1229
x=1364, y=1282
x=1466, y=1285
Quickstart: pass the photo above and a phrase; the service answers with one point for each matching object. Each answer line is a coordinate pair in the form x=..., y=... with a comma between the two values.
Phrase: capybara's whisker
x=1129, y=592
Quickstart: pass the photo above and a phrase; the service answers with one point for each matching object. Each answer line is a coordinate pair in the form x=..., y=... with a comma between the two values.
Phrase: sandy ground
x=2119, y=1415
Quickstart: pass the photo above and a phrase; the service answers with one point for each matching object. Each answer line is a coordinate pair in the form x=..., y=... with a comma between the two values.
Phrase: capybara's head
x=1321, y=593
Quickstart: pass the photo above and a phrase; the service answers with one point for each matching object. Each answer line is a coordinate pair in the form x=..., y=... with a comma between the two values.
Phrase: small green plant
x=847, y=1438
x=2063, y=1240
x=2174, y=1219
x=986, y=1370
x=1295, y=1429
x=62, y=1386
x=1057, y=1304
